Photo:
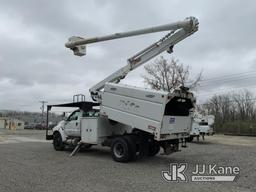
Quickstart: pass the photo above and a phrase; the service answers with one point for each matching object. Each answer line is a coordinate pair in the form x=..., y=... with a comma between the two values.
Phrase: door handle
x=76, y=123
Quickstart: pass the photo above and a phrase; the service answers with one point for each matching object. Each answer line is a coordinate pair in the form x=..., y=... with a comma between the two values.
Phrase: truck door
x=72, y=127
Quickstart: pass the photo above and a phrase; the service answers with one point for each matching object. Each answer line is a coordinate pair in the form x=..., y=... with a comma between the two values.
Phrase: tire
x=131, y=140
x=120, y=150
x=57, y=142
x=153, y=148
x=189, y=139
x=143, y=147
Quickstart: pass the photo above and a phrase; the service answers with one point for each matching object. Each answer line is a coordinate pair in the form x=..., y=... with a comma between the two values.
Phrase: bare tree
x=245, y=104
x=166, y=75
x=233, y=111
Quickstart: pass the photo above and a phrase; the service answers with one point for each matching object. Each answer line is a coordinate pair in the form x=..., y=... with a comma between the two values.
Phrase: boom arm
x=178, y=31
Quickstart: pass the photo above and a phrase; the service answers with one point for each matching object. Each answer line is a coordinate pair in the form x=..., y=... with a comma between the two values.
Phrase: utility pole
x=42, y=108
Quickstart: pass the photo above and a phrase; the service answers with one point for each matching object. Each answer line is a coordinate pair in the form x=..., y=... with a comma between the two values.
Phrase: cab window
x=91, y=113
x=73, y=116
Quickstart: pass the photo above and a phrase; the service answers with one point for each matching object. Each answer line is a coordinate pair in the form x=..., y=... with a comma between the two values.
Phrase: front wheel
x=57, y=142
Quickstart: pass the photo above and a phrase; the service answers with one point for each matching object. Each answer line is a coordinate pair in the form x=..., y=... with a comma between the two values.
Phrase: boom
x=178, y=31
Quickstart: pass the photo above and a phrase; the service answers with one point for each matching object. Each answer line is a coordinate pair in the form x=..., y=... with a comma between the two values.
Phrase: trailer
x=131, y=121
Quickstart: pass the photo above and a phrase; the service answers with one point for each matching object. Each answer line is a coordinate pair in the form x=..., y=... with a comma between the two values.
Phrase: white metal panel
x=195, y=128
x=72, y=128
x=132, y=120
x=134, y=106
x=106, y=128
x=89, y=130
x=204, y=128
x=136, y=92
x=176, y=124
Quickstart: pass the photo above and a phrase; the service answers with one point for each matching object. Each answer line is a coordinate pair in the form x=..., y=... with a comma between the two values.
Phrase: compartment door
x=89, y=130
x=176, y=124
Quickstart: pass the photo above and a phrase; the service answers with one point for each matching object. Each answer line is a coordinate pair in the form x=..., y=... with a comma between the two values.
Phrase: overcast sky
x=35, y=65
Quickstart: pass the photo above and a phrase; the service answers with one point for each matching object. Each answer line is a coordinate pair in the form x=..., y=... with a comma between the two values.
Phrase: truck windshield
x=178, y=107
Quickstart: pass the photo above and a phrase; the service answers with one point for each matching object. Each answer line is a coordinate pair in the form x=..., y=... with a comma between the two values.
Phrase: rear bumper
x=182, y=135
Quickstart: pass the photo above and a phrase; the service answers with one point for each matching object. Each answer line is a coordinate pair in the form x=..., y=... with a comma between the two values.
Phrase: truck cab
x=72, y=124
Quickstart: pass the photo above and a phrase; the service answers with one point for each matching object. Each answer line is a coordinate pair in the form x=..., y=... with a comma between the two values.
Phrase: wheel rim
x=119, y=150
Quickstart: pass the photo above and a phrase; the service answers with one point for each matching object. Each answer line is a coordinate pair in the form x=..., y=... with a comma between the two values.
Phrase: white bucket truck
x=201, y=125
x=132, y=121
x=206, y=125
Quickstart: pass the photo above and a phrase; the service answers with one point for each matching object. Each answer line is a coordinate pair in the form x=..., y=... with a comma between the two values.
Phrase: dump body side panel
x=150, y=111
x=136, y=92
x=139, y=108
x=134, y=106
x=135, y=121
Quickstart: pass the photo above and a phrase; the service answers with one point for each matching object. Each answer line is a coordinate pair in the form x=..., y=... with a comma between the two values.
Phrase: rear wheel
x=120, y=150
x=57, y=142
x=153, y=148
x=132, y=148
x=143, y=147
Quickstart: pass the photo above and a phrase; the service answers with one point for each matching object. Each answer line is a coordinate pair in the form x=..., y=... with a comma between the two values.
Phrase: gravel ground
x=29, y=163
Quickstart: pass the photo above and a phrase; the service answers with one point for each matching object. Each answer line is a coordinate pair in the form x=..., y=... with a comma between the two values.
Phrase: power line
x=228, y=78
x=224, y=90
x=233, y=101
x=230, y=75
x=203, y=94
x=224, y=81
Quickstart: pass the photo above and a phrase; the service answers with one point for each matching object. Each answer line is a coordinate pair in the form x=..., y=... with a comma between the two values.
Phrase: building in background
x=11, y=124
